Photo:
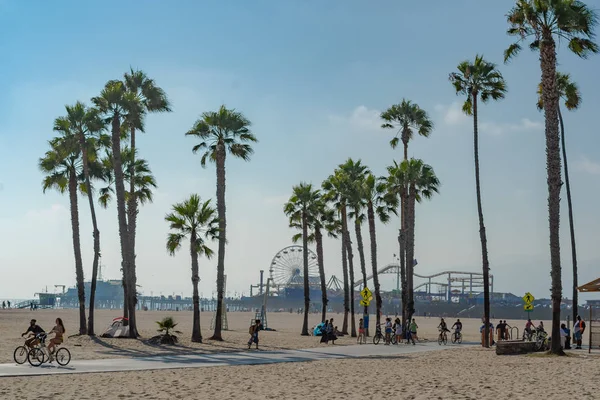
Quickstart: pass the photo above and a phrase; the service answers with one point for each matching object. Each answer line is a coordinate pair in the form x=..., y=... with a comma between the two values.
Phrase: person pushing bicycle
x=34, y=331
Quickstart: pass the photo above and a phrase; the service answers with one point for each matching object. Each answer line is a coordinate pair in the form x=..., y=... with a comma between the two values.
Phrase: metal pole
x=260, y=290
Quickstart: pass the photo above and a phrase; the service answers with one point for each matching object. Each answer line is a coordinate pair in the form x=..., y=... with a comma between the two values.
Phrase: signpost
x=528, y=299
x=367, y=296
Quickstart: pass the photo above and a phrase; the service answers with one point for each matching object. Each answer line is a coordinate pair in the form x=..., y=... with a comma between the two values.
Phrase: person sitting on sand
x=254, y=333
x=59, y=331
x=33, y=330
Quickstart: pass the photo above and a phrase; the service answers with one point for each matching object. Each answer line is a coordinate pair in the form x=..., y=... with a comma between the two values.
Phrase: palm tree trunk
x=482, y=234
x=88, y=187
x=77, y=250
x=402, y=244
x=320, y=258
x=221, y=209
x=346, y=236
x=410, y=253
x=372, y=234
x=130, y=288
x=196, y=332
x=571, y=220
x=305, y=263
x=550, y=93
x=346, y=287
x=361, y=255
x=132, y=215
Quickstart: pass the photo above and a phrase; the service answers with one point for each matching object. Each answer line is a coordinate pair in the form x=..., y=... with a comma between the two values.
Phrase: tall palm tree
x=115, y=105
x=377, y=202
x=335, y=187
x=357, y=172
x=62, y=166
x=569, y=92
x=298, y=208
x=406, y=118
x=151, y=99
x=84, y=124
x=422, y=184
x=479, y=79
x=397, y=188
x=222, y=132
x=197, y=221
x=543, y=22
x=321, y=219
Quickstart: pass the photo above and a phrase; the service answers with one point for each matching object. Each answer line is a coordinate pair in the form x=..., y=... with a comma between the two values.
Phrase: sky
x=313, y=78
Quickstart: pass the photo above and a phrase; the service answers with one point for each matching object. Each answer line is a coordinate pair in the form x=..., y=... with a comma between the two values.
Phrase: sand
x=459, y=373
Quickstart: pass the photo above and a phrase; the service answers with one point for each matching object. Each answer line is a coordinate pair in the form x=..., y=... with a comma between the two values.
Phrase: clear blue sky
x=312, y=77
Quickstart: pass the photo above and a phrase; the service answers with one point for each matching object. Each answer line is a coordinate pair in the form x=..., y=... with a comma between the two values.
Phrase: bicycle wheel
x=63, y=356
x=36, y=357
x=444, y=339
x=394, y=339
x=440, y=340
x=459, y=338
x=376, y=338
x=20, y=355
x=454, y=338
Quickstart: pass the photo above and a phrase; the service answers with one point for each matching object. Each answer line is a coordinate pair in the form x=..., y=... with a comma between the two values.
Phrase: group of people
x=36, y=335
x=408, y=331
x=330, y=333
x=5, y=303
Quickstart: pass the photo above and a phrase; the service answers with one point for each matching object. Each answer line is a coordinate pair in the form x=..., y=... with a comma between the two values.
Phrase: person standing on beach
x=254, y=333
x=412, y=332
x=3, y=305
x=578, y=329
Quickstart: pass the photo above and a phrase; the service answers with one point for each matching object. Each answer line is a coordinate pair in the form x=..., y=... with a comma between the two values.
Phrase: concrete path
x=249, y=357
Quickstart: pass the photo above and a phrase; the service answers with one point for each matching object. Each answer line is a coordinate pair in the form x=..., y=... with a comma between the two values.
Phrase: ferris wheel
x=287, y=267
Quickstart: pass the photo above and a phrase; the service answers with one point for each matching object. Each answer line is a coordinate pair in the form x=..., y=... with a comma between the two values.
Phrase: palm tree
x=197, y=221
x=569, y=92
x=406, y=117
x=479, y=79
x=298, y=208
x=377, y=202
x=321, y=219
x=422, y=184
x=115, y=105
x=84, y=123
x=152, y=99
x=144, y=179
x=397, y=188
x=62, y=166
x=543, y=22
x=357, y=173
x=335, y=192
x=221, y=132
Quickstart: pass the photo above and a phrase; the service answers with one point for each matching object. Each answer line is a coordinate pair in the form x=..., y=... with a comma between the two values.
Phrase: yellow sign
x=528, y=307
x=366, y=293
x=528, y=298
x=365, y=303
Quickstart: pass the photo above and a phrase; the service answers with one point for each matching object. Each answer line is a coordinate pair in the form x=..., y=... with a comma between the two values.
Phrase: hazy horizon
x=313, y=79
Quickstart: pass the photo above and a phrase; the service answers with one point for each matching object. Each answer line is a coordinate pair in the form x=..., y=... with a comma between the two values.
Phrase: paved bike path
x=249, y=357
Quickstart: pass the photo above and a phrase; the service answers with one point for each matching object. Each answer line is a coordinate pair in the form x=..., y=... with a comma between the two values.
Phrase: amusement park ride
x=286, y=273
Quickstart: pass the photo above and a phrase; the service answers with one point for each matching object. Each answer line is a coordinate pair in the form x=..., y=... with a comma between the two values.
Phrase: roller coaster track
x=476, y=277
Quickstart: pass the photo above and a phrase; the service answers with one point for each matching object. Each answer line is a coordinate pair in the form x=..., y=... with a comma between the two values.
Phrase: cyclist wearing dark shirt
x=443, y=327
x=457, y=325
x=35, y=330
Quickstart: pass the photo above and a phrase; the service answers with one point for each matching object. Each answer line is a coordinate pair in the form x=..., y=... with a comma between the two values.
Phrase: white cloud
x=361, y=118
x=452, y=115
x=586, y=165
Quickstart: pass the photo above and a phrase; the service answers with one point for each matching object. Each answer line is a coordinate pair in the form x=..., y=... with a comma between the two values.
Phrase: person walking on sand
x=254, y=333
x=362, y=337
x=412, y=332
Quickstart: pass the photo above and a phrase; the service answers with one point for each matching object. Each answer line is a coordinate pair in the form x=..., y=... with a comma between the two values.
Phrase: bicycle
x=380, y=336
x=20, y=354
x=40, y=354
x=457, y=337
x=442, y=338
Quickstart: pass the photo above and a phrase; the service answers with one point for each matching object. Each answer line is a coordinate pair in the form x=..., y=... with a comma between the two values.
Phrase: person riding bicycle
x=443, y=327
x=540, y=327
x=457, y=327
x=34, y=331
x=59, y=331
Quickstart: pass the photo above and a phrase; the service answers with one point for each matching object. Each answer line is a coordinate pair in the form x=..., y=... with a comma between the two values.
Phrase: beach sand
x=456, y=373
